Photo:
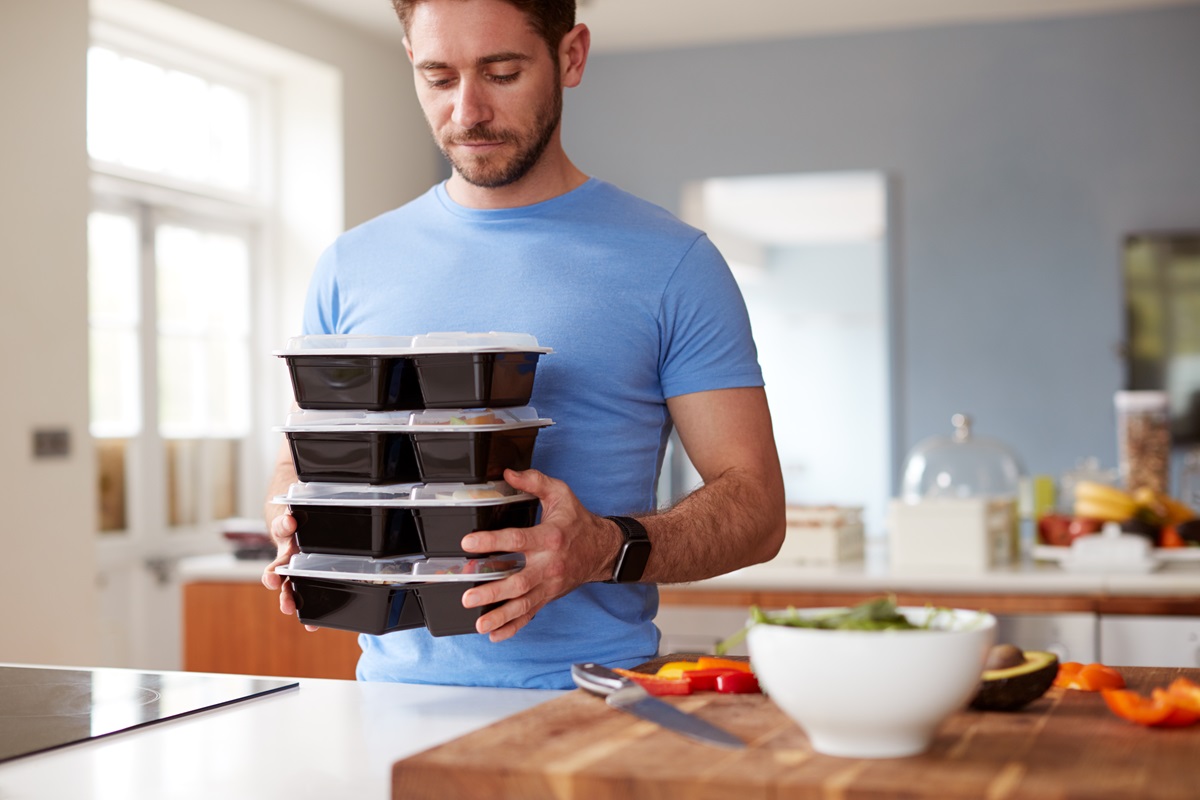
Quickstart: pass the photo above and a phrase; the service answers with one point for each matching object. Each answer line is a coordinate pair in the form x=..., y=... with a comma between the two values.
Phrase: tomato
x=1170, y=537
x=655, y=685
x=735, y=682
x=1088, y=677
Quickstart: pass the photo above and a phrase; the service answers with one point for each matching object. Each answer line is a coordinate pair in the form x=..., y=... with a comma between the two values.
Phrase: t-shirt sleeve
x=707, y=339
x=321, y=303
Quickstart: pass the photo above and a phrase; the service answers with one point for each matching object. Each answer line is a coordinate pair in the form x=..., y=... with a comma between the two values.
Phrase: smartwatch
x=634, y=552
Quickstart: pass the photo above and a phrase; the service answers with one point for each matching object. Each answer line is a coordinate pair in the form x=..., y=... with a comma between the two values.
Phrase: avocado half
x=1014, y=678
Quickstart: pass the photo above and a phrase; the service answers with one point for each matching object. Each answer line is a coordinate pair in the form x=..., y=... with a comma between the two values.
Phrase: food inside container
x=392, y=373
x=454, y=445
x=404, y=519
x=381, y=595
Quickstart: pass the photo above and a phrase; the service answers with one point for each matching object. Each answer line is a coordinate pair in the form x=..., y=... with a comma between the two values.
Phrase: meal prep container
x=442, y=446
x=382, y=595
x=406, y=519
x=397, y=373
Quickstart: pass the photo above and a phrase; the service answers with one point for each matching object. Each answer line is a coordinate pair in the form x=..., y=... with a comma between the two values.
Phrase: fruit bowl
x=873, y=693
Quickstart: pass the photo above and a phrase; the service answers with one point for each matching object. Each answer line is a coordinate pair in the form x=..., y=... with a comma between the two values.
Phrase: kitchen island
x=326, y=739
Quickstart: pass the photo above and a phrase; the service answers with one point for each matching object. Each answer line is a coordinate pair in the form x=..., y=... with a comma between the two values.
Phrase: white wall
x=48, y=595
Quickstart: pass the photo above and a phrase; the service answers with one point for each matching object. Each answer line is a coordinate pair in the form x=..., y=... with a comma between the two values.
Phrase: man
x=648, y=331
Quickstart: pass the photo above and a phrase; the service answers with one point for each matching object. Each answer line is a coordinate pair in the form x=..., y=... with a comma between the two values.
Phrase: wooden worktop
x=1065, y=745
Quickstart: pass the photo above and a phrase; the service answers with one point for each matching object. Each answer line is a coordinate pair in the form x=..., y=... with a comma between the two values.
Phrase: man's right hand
x=283, y=534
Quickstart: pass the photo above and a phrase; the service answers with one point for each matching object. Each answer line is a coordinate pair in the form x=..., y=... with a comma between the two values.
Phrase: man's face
x=488, y=86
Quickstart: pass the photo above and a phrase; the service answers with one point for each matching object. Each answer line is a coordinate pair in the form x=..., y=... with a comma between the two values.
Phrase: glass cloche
x=960, y=465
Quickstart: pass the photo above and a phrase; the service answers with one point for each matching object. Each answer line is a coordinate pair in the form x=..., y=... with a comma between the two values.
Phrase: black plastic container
x=376, y=608
x=441, y=529
x=353, y=456
x=474, y=380
x=375, y=532
x=379, y=608
x=463, y=446
x=373, y=383
x=379, y=596
x=398, y=373
x=472, y=456
x=404, y=520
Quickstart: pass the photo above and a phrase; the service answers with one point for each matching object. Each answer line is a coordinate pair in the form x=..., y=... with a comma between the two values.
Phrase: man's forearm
x=732, y=521
x=282, y=479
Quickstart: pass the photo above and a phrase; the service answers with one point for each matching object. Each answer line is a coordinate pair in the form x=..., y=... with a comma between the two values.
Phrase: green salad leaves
x=877, y=614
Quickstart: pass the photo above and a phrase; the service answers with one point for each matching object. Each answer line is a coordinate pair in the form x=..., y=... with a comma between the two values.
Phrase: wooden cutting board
x=1065, y=745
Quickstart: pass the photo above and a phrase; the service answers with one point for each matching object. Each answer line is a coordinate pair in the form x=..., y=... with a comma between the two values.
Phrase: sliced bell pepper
x=1185, y=694
x=1138, y=708
x=1158, y=710
x=738, y=683
x=1088, y=677
x=705, y=680
x=655, y=685
x=708, y=662
x=676, y=669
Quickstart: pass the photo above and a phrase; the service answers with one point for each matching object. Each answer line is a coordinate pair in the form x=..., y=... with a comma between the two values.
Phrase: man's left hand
x=569, y=547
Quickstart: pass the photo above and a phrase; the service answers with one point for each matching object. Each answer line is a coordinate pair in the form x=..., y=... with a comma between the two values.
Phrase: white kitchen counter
x=871, y=575
x=1040, y=578
x=326, y=740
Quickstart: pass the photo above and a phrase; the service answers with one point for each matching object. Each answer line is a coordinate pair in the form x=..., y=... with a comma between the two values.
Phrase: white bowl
x=873, y=694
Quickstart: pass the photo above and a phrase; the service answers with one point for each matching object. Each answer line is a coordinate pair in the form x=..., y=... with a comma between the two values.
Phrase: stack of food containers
x=400, y=447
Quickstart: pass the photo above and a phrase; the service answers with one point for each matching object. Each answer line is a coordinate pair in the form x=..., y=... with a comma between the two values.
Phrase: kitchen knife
x=624, y=694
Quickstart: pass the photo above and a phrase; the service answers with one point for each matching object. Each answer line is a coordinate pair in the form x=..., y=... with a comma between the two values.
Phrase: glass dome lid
x=960, y=465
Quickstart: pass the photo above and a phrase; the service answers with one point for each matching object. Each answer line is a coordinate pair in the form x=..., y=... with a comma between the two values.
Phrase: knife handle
x=597, y=679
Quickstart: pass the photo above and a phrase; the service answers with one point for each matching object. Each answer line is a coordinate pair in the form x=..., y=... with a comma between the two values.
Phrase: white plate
x=1046, y=552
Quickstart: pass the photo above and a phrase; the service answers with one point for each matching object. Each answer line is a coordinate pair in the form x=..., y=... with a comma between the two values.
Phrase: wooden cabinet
x=236, y=627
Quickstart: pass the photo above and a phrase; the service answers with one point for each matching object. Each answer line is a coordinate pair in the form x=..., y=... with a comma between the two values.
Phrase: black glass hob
x=41, y=709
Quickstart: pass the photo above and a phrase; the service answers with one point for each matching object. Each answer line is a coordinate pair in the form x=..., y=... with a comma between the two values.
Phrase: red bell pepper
x=738, y=683
x=655, y=685
x=1088, y=677
x=705, y=680
x=1159, y=710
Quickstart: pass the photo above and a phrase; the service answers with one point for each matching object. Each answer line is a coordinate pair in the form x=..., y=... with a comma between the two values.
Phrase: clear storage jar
x=1143, y=439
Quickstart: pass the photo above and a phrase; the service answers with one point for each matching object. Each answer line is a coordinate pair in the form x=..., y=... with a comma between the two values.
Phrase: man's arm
x=735, y=519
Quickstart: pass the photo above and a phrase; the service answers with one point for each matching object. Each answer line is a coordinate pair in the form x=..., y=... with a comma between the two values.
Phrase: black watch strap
x=634, y=552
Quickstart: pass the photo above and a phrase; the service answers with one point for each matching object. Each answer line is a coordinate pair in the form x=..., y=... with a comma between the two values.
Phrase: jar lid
x=961, y=465
x=1140, y=400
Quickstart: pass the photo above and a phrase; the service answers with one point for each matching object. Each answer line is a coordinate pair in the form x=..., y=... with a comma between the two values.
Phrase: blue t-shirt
x=637, y=306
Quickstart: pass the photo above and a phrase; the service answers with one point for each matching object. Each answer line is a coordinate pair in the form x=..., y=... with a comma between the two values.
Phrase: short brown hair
x=552, y=19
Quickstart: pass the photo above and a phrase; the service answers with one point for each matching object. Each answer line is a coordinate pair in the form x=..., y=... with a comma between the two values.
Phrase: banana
x=1102, y=492
x=1101, y=501
x=1100, y=509
x=1162, y=505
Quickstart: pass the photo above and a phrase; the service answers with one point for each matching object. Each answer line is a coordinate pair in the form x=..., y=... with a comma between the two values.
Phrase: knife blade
x=625, y=695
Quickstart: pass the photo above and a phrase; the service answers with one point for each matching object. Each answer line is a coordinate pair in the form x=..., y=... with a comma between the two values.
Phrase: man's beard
x=479, y=171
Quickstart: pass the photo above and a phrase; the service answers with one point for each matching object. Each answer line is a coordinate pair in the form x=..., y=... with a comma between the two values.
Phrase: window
x=173, y=255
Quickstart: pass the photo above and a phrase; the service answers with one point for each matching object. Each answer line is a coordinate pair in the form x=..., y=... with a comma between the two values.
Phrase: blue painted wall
x=1020, y=155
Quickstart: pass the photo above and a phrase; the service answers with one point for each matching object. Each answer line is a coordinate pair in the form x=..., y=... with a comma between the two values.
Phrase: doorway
x=810, y=254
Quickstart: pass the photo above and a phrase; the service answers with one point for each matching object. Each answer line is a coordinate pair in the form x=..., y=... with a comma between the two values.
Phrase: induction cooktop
x=44, y=708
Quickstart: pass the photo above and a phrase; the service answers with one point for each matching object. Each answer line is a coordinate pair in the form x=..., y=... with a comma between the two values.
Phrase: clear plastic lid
x=404, y=495
x=959, y=466
x=429, y=343
x=1141, y=402
x=409, y=421
x=402, y=569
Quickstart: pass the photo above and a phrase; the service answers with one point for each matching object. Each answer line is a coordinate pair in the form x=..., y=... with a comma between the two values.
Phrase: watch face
x=632, y=561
